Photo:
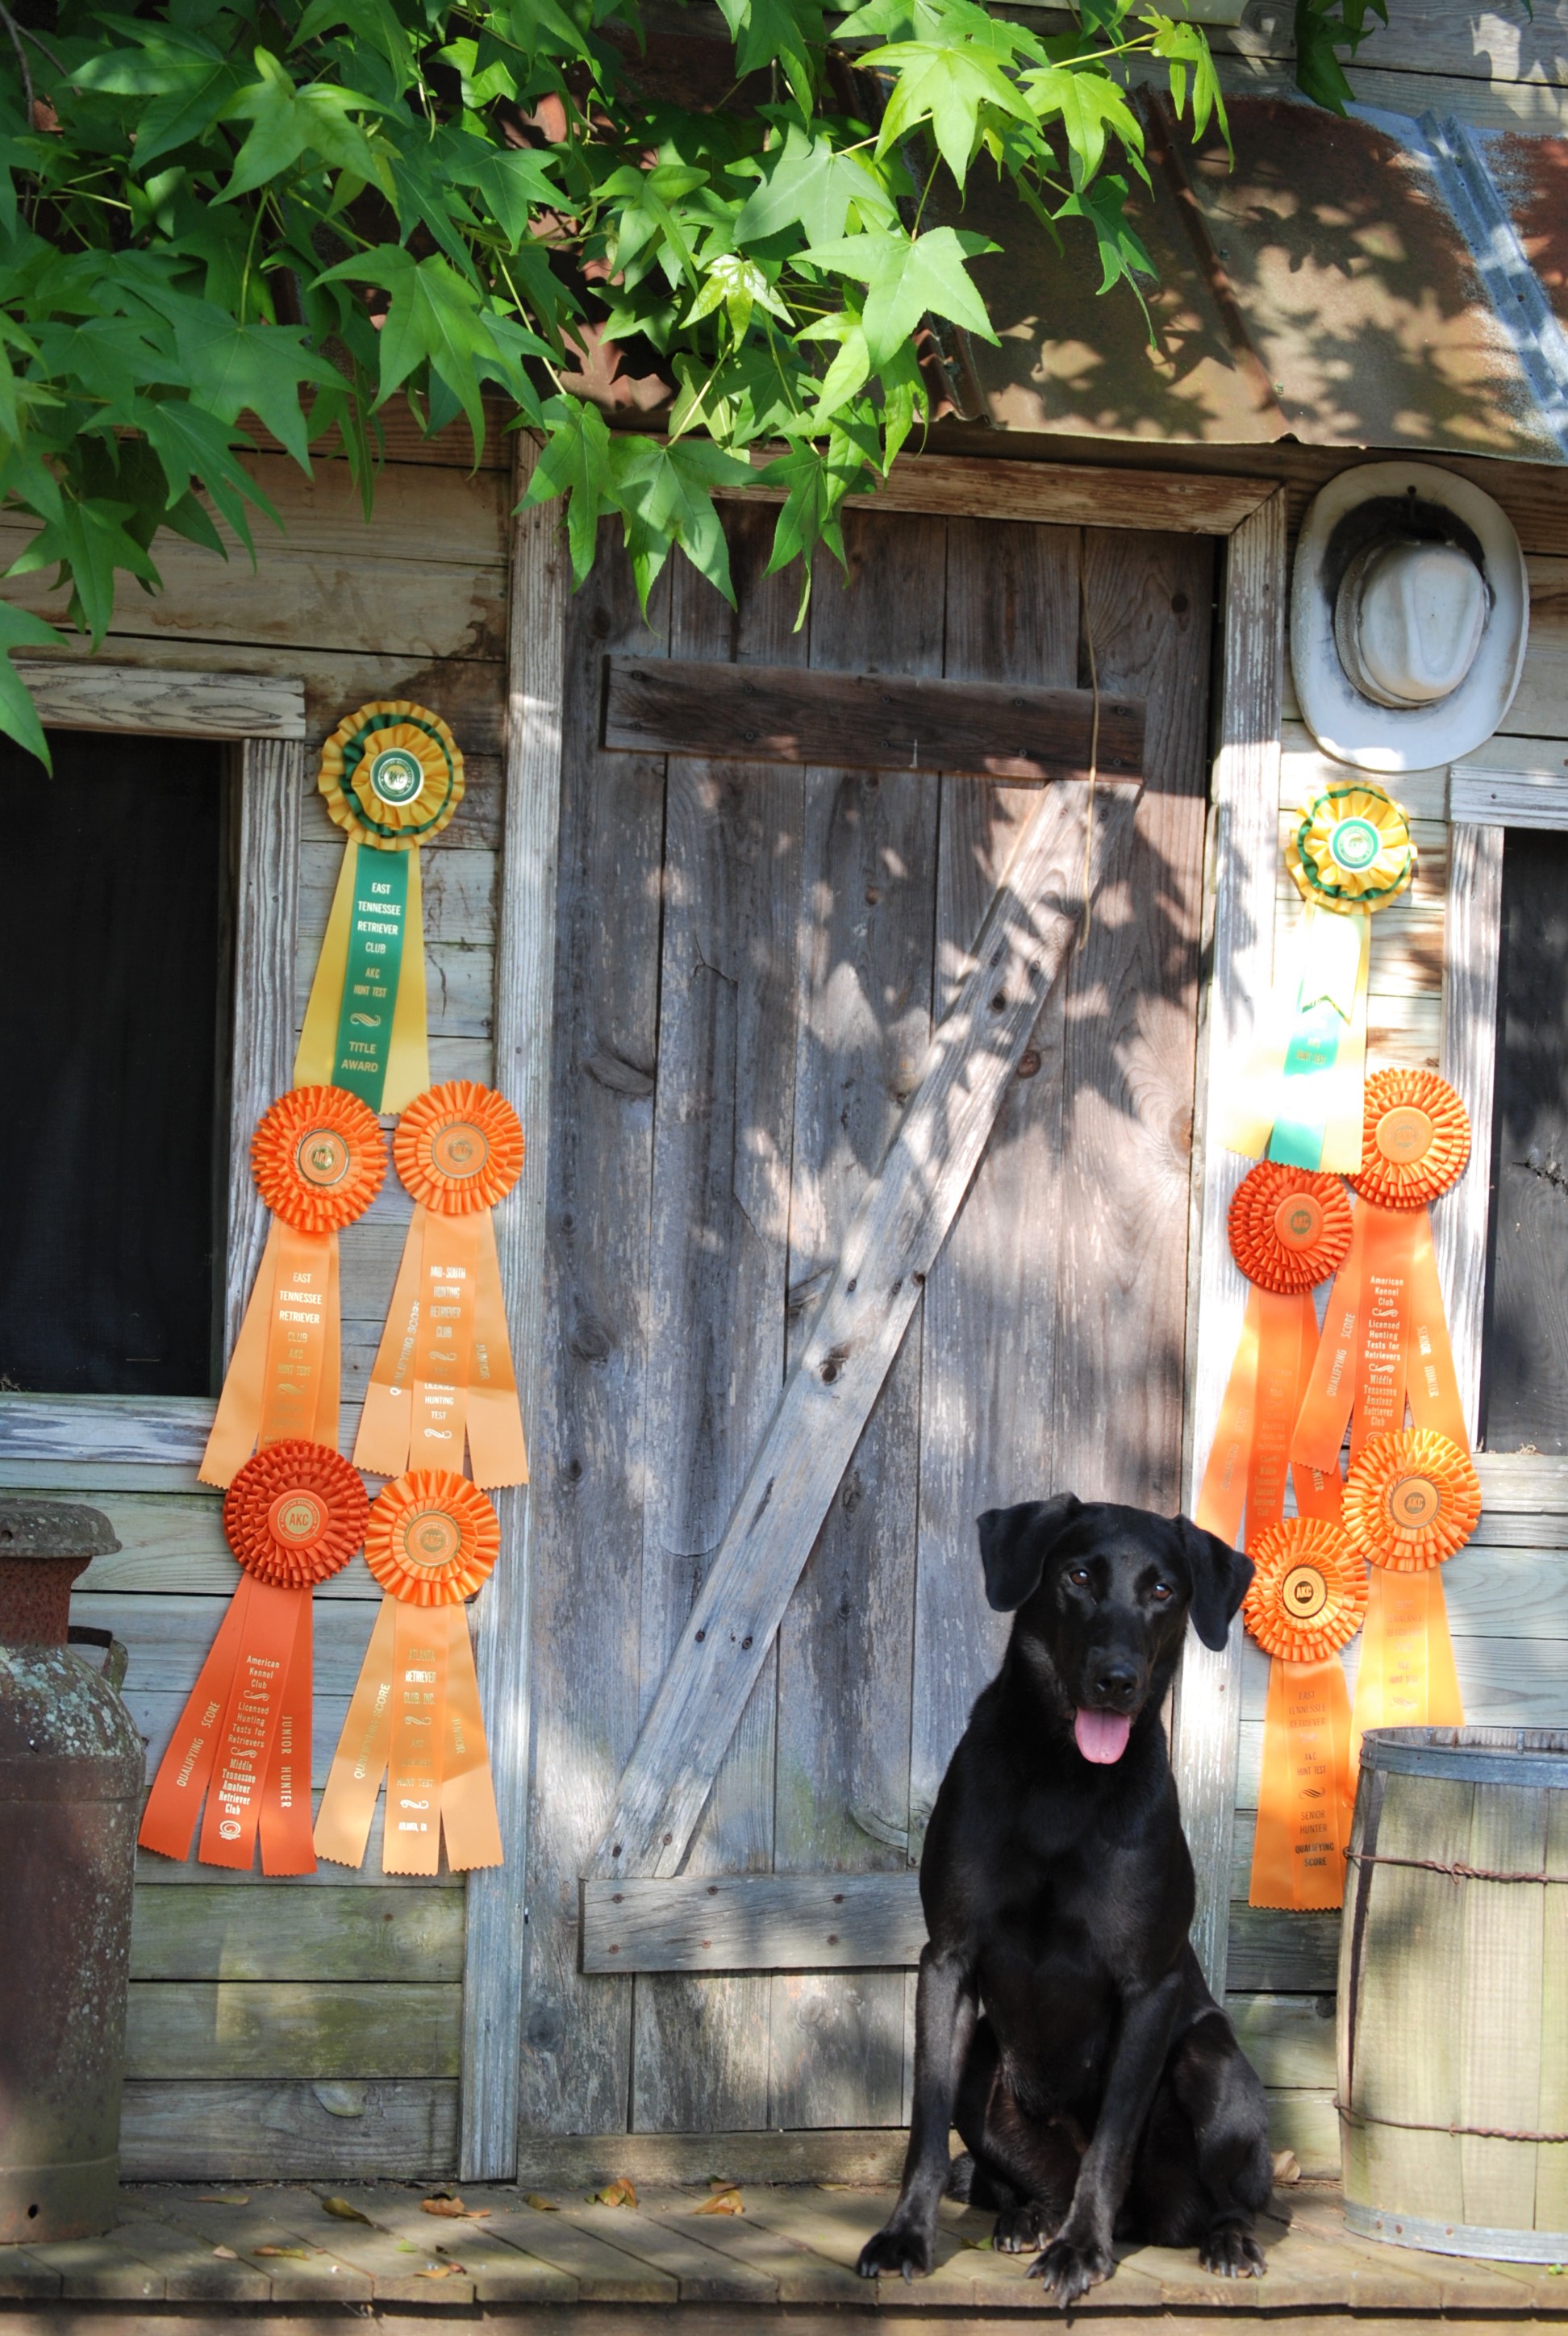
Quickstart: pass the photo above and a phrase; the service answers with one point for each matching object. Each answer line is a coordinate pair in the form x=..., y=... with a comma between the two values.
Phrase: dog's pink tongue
x=1102, y=1735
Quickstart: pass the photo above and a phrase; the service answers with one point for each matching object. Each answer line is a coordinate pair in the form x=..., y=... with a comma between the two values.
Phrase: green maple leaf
x=289, y=122
x=510, y=181
x=665, y=492
x=189, y=79
x=907, y=278
x=1090, y=107
x=574, y=461
x=19, y=628
x=807, y=183
x=953, y=88
x=789, y=30
x=234, y=368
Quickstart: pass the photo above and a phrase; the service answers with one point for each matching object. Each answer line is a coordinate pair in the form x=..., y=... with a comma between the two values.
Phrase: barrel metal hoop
x=1455, y=2238
x=1454, y=2132
x=1454, y=1871
x=1469, y=1764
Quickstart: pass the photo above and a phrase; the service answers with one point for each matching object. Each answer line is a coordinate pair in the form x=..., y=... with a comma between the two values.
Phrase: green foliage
x=1324, y=28
x=216, y=214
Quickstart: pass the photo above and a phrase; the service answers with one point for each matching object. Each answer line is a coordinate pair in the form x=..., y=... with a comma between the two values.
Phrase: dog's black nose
x=1115, y=1684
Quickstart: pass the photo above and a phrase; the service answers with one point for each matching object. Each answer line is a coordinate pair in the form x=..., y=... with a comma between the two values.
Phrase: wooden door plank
x=864, y=1021
x=879, y=721
x=988, y=1365
x=1125, y=1191
x=266, y=916
x=525, y=959
x=717, y=1266
x=897, y=1233
x=1472, y=931
x=1246, y=795
x=589, y=1451
x=959, y=486
x=179, y=2130
x=824, y=1922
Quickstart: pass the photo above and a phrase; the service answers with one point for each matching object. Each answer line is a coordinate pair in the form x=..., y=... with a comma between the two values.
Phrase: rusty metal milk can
x=70, y=1770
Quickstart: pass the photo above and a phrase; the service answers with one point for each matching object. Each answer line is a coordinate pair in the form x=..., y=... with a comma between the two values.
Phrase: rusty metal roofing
x=1370, y=281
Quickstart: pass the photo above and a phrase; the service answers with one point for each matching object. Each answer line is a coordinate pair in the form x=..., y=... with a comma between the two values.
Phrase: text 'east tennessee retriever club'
x=1062, y=2021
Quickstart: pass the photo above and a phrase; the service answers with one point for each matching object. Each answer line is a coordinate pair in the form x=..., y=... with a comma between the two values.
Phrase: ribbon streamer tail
x=249, y=1727
x=316, y=1063
x=1431, y=1378
x=468, y=1811
x=285, y=1825
x=408, y=1056
x=353, y=1780
x=411, y=1838
x=179, y=1788
x=1325, y=1407
x=1408, y=1677
x=1299, y=1851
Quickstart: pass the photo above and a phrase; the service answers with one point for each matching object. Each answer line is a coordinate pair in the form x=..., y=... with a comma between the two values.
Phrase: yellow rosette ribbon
x=414, y=1717
x=294, y=1516
x=1350, y=854
x=1385, y=1343
x=444, y=1373
x=1289, y=1229
x=1412, y=1498
x=1306, y=1602
x=392, y=777
x=320, y=1159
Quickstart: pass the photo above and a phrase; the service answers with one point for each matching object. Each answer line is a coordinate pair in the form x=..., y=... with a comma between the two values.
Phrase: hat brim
x=1393, y=739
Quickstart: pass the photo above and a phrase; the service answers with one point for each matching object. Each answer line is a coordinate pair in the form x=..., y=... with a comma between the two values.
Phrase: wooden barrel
x=1453, y=2008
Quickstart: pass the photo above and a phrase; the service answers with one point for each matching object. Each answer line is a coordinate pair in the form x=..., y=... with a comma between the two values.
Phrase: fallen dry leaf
x=299, y=2254
x=1287, y=2171
x=342, y=2210
x=454, y=2208
x=728, y=2201
x=228, y=2253
x=619, y=2193
x=223, y=2198
x=540, y=2203
x=967, y=2241
x=439, y=2271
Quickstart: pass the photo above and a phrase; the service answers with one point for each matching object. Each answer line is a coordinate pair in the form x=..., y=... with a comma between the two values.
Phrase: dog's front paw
x=1231, y=2250
x=894, y=2250
x=1019, y=2228
x=1069, y=2267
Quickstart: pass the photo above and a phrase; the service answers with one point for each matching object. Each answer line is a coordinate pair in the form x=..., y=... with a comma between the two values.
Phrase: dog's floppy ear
x=1219, y=1578
x=1014, y=1544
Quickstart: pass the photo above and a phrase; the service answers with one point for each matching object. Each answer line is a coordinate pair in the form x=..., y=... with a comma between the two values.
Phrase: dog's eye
x=1162, y=1593
x=1079, y=1577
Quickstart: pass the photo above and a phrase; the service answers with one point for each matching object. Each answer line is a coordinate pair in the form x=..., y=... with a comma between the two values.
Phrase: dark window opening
x=113, y=1051
x=1524, y=1372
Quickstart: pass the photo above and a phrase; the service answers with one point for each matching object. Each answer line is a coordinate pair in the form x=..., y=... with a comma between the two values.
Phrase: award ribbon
x=1385, y=1335
x=1301, y=1102
x=1289, y=1229
x=319, y=1160
x=1306, y=1600
x=391, y=776
x=414, y=1718
x=444, y=1373
x=1411, y=1499
x=294, y=1516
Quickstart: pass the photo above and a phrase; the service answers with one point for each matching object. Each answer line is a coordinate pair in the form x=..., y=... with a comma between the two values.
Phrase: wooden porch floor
x=274, y=2255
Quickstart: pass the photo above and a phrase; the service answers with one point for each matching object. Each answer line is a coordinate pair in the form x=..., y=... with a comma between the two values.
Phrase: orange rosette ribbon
x=294, y=1516
x=320, y=1159
x=1289, y=1229
x=1412, y=1498
x=1385, y=1340
x=1306, y=1602
x=444, y=1374
x=432, y=1540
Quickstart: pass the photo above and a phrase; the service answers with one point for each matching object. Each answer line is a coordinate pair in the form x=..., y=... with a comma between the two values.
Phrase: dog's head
x=1103, y=1594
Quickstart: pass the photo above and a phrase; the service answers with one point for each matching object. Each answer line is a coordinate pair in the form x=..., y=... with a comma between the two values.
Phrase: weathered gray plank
x=1472, y=934
x=717, y=1267
x=1484, y=797
x=587, y=1450
x=92, y=695
x=524, y=1014
x=261, y=1067
x=877, y=721
x=275, y=1931
x=494, y=2271
x=954, y=486
x=168, y=1639
x=862, y=1027
x=896, y=1235
x=1246, y=793
x=105, y=1430
x=1523, y=1483
x=179, y=2130
x=987, y=1362
x=754, y=1921
x=325, y=2278
x=276, y=2029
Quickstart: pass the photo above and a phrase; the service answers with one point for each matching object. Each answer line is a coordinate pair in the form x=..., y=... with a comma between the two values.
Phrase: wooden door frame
x=1250, y=515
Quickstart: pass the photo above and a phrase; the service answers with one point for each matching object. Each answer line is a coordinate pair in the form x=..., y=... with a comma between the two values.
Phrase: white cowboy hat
x=1409, y=612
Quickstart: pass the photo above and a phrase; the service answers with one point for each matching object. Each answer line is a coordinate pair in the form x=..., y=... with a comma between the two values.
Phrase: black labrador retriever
x=1101, y=2094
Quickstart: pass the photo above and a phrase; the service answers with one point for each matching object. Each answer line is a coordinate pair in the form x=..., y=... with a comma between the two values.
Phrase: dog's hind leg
x=1220, y=2098
x=1024, y=2169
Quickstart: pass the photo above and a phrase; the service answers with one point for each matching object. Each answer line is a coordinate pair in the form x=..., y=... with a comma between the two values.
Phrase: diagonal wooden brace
x=892, y=1242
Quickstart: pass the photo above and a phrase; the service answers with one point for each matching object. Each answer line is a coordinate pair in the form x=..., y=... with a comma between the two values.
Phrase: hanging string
x=1094, y=753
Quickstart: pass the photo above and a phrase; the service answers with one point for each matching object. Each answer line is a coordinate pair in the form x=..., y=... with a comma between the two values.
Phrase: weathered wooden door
x=750, y=960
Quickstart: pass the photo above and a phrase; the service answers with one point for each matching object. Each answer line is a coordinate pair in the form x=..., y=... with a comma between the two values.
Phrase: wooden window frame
x=262, y=722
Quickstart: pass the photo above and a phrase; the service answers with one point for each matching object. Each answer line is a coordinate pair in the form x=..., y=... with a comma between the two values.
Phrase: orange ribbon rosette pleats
x=294, y=1516
x=1306, y=1602
x=1289, y=1227
x=1411, y=1500
x=431, y=1541
x=443, y=1375
x=1384, y=1339
x=319, y=1160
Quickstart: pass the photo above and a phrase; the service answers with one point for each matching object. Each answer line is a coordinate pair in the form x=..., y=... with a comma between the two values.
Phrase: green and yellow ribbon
x=392, y=777
x=1300, y=1100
